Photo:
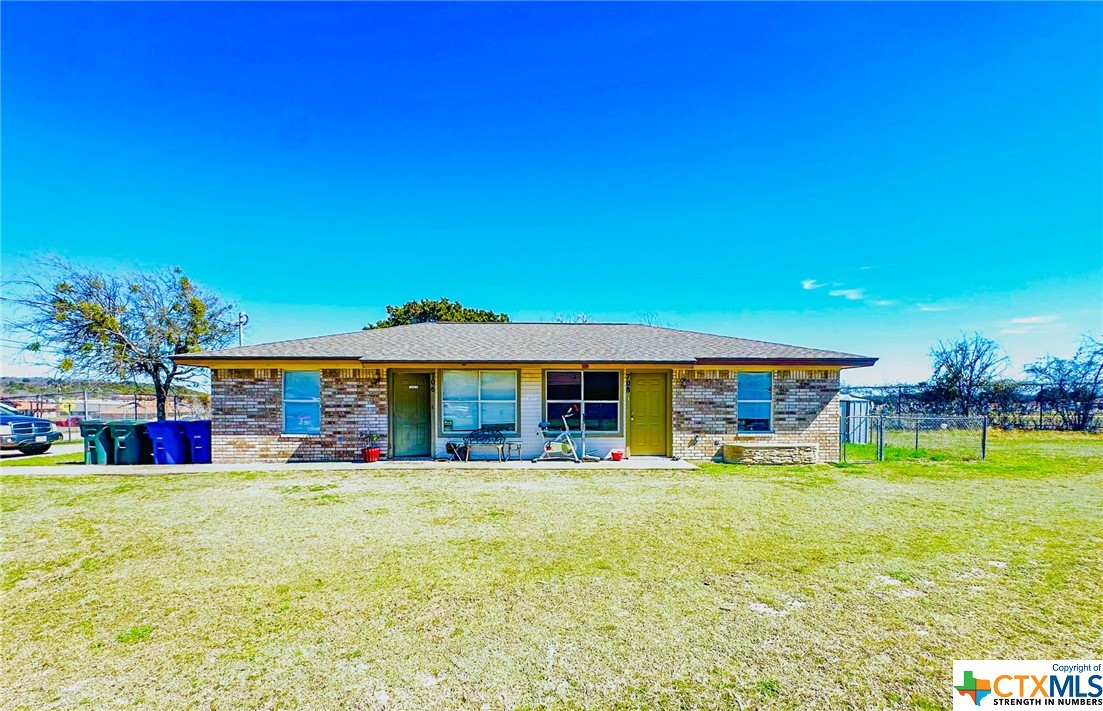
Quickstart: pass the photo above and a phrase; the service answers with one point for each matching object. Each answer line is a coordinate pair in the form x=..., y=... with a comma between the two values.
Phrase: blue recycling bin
x=169, y=443
x=198, y=435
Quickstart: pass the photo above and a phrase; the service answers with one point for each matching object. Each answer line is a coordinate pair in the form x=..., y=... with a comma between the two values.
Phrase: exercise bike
x=562, y=446
x=559, y=447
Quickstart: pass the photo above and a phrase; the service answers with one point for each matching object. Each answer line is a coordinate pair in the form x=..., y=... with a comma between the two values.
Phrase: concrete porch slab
x=635, y=464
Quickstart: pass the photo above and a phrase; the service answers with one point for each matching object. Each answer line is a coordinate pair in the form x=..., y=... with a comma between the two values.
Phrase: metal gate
x=874, y=438
x=859, y=438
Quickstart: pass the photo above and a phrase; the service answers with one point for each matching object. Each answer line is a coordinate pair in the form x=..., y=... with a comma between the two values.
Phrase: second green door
x=412, y=417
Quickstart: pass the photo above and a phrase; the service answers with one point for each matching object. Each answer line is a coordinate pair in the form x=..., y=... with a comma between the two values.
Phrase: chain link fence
x=68, y=409
x=1010, y=406
x=1039, y=421
x=873, y=438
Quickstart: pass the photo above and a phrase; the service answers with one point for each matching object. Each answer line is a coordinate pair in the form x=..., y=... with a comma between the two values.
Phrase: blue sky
x=867, y=177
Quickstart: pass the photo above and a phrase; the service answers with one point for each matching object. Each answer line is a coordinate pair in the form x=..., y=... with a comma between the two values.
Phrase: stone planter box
x=771, y=453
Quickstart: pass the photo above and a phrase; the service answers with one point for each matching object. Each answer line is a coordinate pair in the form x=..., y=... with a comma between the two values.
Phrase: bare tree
x=651, y=318
x=117, y=326
x=564, y=317
x=1073, y=386
x=966, y=367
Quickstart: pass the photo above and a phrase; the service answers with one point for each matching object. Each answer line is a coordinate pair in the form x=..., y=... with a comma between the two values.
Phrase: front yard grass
x=786, y=587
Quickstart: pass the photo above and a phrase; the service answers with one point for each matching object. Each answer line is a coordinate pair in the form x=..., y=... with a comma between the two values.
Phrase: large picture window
x=478, y=399
x=593, y=393
x=755, y=393
x=302, y=402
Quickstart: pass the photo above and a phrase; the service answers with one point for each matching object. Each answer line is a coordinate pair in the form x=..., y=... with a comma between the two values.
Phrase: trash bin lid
x=164, y=424
x=124, y=426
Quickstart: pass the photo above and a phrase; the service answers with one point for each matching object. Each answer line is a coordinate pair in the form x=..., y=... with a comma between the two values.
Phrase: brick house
x=649, y=391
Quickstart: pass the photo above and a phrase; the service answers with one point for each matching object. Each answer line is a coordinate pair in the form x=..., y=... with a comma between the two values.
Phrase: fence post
x=842, y=439
x=984, y=438
x=916, y=434
x=881, y=438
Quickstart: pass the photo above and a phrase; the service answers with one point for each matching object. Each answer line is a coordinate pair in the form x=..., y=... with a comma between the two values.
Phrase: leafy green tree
x=436, y=311
x=123, y=326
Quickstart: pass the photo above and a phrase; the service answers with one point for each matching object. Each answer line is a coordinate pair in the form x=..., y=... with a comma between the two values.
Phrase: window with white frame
x=755, y=393
x=478, y=399
x=302, y=402
x=594, y=394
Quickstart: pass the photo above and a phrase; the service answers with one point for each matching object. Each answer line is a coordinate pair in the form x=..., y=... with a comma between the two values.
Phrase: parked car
x=30, y=435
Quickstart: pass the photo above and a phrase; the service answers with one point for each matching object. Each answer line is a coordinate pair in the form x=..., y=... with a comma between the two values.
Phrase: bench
x=483, y=438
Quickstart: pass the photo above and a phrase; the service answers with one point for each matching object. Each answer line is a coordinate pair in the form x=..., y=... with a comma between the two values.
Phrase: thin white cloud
x=849, y=294
x=1033, y=320
x=1029, y=324
x=882, y=302
x=809, y=284
x=931, y=308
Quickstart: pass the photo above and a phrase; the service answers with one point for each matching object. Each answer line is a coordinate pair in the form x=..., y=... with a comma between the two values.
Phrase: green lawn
x=791, y=587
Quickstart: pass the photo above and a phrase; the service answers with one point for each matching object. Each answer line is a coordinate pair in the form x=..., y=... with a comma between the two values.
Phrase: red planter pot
x=371, y=454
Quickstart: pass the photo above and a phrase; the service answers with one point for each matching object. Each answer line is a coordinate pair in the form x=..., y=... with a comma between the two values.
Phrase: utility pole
x=242, y=319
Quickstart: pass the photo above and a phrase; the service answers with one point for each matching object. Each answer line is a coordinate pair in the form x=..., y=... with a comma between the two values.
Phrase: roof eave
x=203, y=359
x=859, y=362
x=477, y=361
x=211, y=359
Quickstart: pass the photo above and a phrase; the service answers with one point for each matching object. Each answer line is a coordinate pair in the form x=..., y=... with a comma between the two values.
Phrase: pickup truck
x=30, y=435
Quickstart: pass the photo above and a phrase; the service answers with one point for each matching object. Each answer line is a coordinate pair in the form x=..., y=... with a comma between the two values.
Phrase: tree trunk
x=1085, y=416
x=161, y=391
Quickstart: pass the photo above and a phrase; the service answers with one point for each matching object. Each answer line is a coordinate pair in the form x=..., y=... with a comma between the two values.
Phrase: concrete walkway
x=636, y=464
x=61, y=447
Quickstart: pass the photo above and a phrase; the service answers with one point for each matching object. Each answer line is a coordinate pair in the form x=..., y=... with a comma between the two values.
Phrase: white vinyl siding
x=532, y=412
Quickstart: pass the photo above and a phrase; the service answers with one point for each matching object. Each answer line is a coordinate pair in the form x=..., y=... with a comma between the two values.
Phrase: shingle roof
x=532, y=343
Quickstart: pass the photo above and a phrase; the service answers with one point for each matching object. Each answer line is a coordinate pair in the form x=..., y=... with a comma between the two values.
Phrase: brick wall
x=806, y=411
x=247, y=416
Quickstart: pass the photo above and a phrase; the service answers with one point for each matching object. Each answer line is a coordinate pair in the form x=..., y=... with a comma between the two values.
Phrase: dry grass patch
x=729, y=587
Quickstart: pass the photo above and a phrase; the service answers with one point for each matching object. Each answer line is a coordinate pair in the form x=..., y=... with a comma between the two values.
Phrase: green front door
x=412, y=419
x=648, y=414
